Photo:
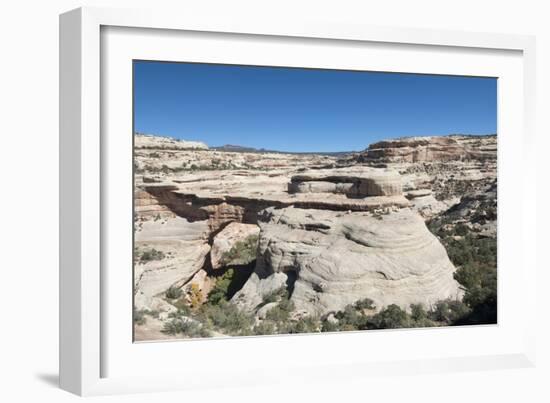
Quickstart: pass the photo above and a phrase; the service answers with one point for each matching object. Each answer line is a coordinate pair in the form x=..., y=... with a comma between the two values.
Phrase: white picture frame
x=90, y=340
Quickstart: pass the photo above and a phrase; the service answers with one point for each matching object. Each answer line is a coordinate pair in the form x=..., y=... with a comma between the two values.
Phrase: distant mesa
x=244, y=149
x=150, y=141
x=239, y=149
x=432, y=149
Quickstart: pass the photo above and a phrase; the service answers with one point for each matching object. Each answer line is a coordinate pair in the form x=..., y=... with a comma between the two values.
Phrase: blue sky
x=292, y=109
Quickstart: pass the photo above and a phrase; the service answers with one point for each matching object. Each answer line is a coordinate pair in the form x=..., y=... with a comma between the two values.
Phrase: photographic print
x=275, y=200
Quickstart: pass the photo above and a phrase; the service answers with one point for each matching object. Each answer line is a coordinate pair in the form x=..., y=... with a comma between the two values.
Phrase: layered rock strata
x=229, y=238
x=181, y=247
x=430, y=149
x=166, y=143
x=328, y=260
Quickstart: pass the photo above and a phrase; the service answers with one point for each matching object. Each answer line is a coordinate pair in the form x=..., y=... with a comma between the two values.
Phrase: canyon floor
x=236, y=242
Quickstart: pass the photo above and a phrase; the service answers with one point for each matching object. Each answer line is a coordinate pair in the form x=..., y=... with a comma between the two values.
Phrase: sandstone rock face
x=225, y=240
x=329, y=259
x=332, y=229
x=166, y=143
x=434, y=148
x=373, y=183
x=182, y=248
x=477, y=210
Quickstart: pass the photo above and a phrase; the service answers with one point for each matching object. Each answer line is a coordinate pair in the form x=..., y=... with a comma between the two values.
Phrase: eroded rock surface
x=229, y=238
x=430, y=149
x=180, y=249
x=167, y=143
x=332, y=229
x=329, y=259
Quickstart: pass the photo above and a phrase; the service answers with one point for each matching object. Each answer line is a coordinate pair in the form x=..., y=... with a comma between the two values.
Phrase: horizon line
x=311, y=152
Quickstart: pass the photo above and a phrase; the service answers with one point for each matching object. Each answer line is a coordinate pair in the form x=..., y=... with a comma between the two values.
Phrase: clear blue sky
x=305, y=110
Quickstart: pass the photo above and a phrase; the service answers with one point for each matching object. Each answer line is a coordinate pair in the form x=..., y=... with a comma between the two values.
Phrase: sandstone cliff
x=329, y=260
x=328, y=230
x=432, y=149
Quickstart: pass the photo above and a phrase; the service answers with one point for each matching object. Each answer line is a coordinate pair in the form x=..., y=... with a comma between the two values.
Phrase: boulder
x=329, y=259
x=227, y=239
x=358, y=184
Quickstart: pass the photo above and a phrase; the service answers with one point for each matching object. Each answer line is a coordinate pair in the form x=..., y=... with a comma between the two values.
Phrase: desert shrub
x=351, y=318
x=274, y=296
x=151, y=254
x=281, y=312
x=418, y=313
x=308, y=324
x=195, y=296
x=264, y=327
x=221, y=288
x=449, y=311
x=182, y=306
x=391, y=317
x=461, y=229
x=476, y=262
x=329, y=326
x=140, y=316
x=225, y=317
x=173, y=293
x=286, y=304
x=242, y=252
x=478, y=277
x=186, y=326
x=480, y=285
x=365, y=303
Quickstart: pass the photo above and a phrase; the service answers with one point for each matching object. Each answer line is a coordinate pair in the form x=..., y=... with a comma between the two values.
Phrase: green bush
x=173, y=293
x=307, y=324
x=351, y=318
x=149, y=255
x=461, y=229
x=476, y=262
x=225, y=317
x=140, y=316
x=264, y=328
x=220, y=290
x=329, y=326
x=365, y=303
x=243, y=252
x=418, y=313
x=281, y=312
x=391, y=317
x=274, y=296
x=185, y=326
x=449, y=311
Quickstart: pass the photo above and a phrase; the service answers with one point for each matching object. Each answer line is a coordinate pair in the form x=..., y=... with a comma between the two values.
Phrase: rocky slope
x=328, y=260
x=147, y=141
x=432, y=149
x=328, y=231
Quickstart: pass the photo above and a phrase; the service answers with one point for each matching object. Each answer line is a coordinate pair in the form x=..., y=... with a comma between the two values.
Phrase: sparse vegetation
x=195, y=296
x=173, y=293
x=464, y=230
x=221, y=288
x=476, y=262
x=226, y=318
x=242, y=252
x=149, y=255
x=186, y=326
x=140, y=316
